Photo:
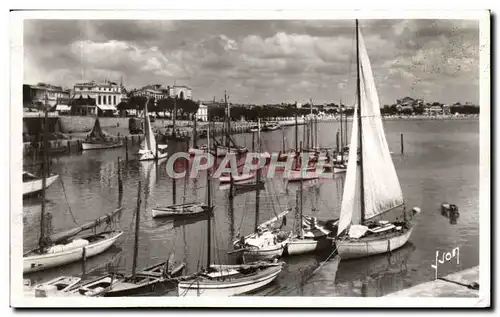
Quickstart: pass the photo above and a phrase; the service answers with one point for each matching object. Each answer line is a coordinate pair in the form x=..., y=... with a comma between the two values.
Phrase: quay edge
x=442, y=288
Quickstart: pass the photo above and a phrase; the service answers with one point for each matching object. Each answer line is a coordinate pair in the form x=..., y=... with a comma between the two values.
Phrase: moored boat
x=66, y=247
x=378, y=184
x=72, y=251
x=150, y=150
x=180, y=210
x=241, y=178
x=153, y=279
x=97, y=140
x=32, y=184
x=310, y=236
x=226, y=280
x=230, y=280
x=58, y=286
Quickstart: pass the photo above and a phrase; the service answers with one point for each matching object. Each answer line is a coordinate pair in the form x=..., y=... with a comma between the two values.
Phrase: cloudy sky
x=268, y=61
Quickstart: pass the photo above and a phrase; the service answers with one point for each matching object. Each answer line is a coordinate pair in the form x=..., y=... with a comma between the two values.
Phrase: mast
x=228, y=136
x=360, y=128
x=341, y=135
x=209, y=194
x=41, y=242
x=136, y=240
x=283, y=140
x=257, y=192
x=175, y=115
x=301, y=230
x=195, y=135
x=296, y=132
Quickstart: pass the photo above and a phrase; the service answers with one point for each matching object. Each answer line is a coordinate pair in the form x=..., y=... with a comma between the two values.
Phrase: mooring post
x=120, y=183
x=402, y=145
x=126, y=149
x=338, y=142
x=84, y=259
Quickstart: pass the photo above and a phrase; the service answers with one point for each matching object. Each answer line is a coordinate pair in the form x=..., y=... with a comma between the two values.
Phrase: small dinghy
x=95, y=287
x=32, y=184
x=56, y=287
x=180, y=210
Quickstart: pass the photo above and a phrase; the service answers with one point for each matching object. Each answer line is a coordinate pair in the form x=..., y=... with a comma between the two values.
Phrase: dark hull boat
x=181, y=210
x=97, y=140
x=153, y=279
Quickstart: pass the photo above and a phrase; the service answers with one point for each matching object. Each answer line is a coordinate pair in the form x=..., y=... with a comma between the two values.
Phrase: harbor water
x=440, y=164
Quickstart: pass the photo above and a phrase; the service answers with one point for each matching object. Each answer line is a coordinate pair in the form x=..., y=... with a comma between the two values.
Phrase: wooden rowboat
x=181, y=210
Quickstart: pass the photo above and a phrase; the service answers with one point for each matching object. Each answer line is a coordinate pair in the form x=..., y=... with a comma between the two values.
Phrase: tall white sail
x=350, y=200
x=149, y=137
x=381, y=185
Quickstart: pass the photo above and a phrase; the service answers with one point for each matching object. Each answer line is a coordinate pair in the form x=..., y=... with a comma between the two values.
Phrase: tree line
x=185, y=108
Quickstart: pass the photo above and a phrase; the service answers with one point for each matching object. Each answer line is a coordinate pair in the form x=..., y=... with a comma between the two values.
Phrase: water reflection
x=428, y=177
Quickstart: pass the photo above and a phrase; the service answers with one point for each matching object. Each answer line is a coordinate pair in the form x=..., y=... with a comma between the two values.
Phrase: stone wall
x=72, y=124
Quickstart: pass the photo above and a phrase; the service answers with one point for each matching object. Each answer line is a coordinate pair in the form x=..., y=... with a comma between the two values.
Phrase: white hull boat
x=197, y=151
x=33, y=184
x=228, y=282
x=55, y=287
x=265, y=245
x=146, y=155
x=100, y=146
x=298, y=246
x=150, y=150
x=272, y=251
x=64, y=254
x=182, y=210
x=375, y=190
x=371, y=245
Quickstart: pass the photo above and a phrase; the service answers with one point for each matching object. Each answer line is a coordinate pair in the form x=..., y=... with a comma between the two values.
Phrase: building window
x=99, y=100
x=114, y=100
x=109, y=100
x=103, y=100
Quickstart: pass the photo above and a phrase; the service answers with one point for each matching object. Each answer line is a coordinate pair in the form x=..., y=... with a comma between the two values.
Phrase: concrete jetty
x=446, y=287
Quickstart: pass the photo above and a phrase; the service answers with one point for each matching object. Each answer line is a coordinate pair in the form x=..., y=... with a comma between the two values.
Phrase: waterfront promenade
x=452, y=285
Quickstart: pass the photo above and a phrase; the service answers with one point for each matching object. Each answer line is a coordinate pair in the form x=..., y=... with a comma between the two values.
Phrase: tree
x=138, y=102
x=166, y=104
x=187, y=106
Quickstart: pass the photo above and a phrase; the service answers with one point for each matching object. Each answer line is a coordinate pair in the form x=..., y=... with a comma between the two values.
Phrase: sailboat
x=359, y=235
x=227, y=149
x=196, y=149
x=64, y=247
x=311, y=235
x=226, y=280
x=264, y=243
x=150, y=150
x=97, y=140
x=148, y=280
x=223, y=150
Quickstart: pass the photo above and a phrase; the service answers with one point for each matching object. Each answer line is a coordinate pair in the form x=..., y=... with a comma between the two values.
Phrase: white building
x=107, y=95
x=42, y=92
x=202, y=113
x=182, y=92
